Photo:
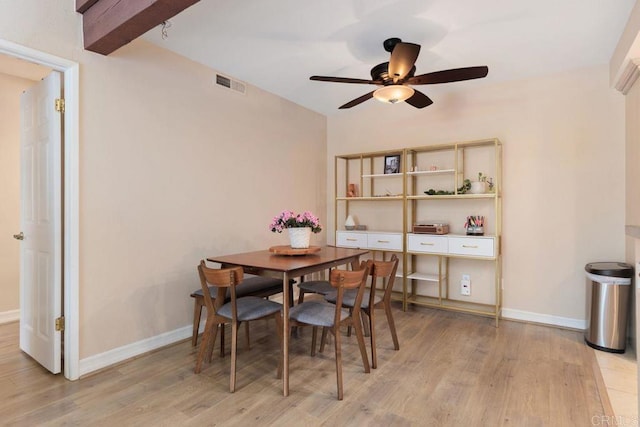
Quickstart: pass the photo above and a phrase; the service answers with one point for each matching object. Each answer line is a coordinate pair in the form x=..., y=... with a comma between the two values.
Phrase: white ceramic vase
x=299, y=237
x=349, y=224
x=478, y=187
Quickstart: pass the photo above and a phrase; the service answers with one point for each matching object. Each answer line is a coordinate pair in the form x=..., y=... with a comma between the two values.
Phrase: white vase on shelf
x=349, y=224
x=478, y=187
x=299, y=237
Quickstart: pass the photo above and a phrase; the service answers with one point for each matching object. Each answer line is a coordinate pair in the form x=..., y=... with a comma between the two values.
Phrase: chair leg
x=246, y=330
x=323, y=339
x=392, y=326
x=222, y=340
x=197, y=313
x=363, y=350
x=212, y=342
x=234, y=349
x=365, y=325
x=372, y=333
x=300, y=296
x=336, y=333
x=209, y=335
x=314, y=337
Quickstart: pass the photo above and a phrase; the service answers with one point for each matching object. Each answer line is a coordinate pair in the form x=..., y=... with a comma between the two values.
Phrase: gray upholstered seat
x=321, y=287
x=250, y=308
x=254, y=286
x=316, y=313
x=349, y=298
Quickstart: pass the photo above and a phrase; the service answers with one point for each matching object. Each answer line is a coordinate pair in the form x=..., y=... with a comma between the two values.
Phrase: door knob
x=19, y=236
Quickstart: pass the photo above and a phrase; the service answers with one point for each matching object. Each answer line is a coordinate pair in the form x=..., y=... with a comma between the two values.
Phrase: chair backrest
x=385, y=270
x=221, y=278
x=343, y=279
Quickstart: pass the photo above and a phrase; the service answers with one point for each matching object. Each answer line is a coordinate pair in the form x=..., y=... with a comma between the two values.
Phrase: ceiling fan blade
x=403, y=57
x=357, y=101
x=447, y=76
x=344, y=80
x=419, y=100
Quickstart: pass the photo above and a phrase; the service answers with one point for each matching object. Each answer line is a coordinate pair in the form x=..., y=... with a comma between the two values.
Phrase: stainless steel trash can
x=608, y=287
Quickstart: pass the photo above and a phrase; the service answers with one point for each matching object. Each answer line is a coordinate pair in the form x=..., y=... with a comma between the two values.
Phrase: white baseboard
x=117, y=355
x=9, y=316
x=528, y=316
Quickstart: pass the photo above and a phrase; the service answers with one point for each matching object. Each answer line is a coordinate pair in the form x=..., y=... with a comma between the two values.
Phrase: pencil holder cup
x=473, y=230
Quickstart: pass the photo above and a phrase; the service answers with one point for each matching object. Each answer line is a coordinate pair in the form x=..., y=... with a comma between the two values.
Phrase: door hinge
x=60, y=105
x=60, y=323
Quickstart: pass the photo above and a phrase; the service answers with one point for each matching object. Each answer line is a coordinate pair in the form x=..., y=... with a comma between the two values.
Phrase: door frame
x=70, y=205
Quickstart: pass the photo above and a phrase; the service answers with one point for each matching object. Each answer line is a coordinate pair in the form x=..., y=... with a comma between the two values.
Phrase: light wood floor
x=451, y=370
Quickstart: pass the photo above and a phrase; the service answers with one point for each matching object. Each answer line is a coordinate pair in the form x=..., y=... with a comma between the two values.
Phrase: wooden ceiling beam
x=110, y=24
x=83, y=5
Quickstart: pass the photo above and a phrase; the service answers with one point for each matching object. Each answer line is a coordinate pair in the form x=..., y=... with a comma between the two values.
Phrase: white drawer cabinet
x=369, y=240
x=475, y=246
x=385, y=241
x=472, y=246
x=351, y=239
x=428, y=243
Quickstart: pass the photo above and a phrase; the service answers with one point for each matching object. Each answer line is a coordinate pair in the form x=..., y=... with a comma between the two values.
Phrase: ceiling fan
x=396, y=75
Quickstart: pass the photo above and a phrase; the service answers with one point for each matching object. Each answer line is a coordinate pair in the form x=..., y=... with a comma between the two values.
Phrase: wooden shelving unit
x=446, y=165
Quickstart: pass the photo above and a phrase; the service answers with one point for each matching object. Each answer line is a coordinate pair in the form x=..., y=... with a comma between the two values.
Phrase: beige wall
x=175, y=169
x=172, y=170
x=563, y=172
x=10, y=89
x=632, y=157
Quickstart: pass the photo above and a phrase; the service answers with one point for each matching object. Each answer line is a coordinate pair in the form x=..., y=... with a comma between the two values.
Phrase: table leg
x=285, y=335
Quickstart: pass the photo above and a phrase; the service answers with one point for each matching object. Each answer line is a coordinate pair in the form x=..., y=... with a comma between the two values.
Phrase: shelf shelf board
x=450, y=255
x=456, y=305
x=382, y=175
x=435, y=172
x=371, y=198
x=453, y=196
x=425, y=277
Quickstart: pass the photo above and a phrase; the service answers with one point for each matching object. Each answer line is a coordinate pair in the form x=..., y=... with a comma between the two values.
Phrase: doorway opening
x=70, y=202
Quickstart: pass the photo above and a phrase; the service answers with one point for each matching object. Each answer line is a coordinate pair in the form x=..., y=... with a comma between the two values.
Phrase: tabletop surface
x=269, y=261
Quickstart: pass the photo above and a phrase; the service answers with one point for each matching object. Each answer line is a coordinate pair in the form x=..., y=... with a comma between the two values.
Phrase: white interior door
x=41, y=222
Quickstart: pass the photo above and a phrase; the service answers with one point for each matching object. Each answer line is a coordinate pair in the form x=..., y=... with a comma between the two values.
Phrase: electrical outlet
x=465, y=285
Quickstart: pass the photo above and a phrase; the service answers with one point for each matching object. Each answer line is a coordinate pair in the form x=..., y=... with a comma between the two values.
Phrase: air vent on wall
x=229, y=83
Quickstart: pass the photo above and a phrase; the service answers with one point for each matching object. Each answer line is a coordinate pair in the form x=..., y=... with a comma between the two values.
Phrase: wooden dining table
x=286, y=267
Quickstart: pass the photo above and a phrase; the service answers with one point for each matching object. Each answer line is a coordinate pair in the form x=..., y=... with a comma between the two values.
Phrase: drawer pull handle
x=383, y=241
x=470, y=246
x=351, y=240
x=427, y=244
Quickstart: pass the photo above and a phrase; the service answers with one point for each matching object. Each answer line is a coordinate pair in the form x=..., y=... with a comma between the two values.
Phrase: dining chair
x=256, y=286
x=332, y=317
x=236, y=311
x=371, y=300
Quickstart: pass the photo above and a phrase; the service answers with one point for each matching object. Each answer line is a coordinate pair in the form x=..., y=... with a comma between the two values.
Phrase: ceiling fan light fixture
x=392, y=94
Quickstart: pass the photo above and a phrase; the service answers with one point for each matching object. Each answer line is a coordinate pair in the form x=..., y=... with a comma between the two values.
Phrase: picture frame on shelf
x=392, y=164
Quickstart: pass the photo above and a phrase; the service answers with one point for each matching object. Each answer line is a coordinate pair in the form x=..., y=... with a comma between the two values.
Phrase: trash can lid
x=611, y=269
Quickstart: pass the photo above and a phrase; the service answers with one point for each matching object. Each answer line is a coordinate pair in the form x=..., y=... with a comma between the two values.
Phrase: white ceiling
x=277, y=44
